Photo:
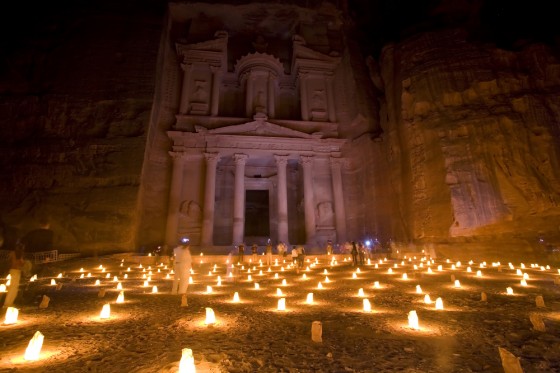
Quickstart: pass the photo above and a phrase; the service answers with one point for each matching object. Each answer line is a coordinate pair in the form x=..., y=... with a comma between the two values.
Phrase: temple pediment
x=257, y=128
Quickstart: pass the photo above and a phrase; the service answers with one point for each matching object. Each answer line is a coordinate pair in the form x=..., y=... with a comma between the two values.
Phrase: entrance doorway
x=257, y=222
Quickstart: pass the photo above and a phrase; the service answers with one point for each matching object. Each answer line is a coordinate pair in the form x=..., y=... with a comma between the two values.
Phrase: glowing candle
x=404, y=276
x=429, y=270
x=146, y=284
x=478, y=273
x=108, y=275
x=525, y=276
x=282, y=304
x=523, y=283
x=361, y=292
x=11, y=316
x=309, y=298
x=319, y=286
x=120, y=298
x=327, y=280
x=219, y=282
x=210, y=316
x=119, y=286
x=53, y=282
x=427, y=299
x=284, y=283
x=81, y=269
x=34, y=347
x=452, y=266
x=509, y=291
x=413, y=320
x=358, y=270
x=97, y=282
x=440, y=268
x=376, y=285
x=304, y=277
x=186, y=365
x=457, y=284
x=191, y=280
x=366, y=305
x=257, y=286
x=469, y=269
x=278, y=292
x=376, y=266
x=439, y=304
x=208, y=289
x=236, y=297
x=418, y=289
x=154, y=289
x=276, y=275
x=390, y=271
x=82, y=275
x=105, y=311
x=59, y=275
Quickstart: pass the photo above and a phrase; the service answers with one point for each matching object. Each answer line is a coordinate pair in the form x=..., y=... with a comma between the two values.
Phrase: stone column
x=282, y=162
x=330, y=98
x=249, y=96
x=178, y=159
x=271, y=98
x=239, y=198
x=185, y=91
x=215, y=101
x=339, y=210
x=303, y=96
x=209, y=196
x=309, y=198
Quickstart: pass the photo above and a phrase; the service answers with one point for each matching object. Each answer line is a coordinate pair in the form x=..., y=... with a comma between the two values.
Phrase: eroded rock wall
x=76, y=98
x=470, y=144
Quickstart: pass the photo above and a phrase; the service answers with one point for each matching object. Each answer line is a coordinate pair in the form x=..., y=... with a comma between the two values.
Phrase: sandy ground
x=148, y=331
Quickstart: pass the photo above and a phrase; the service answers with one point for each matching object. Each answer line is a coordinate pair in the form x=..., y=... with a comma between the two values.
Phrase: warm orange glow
x=309, y=299
x=97, y=282
x=119, y=286
x=154, y=289
x=120, y=298
x=361, y=293
x=439, y=304
x=33, y=349
x=404, y=276
x=418, y=289
x=53, y=282
x=319, y=286
x=186, y=365
x=236, y=297
x=413, y=320
x=284, y=283
x=457, y=284
x=523, y=283
x=11, y=316
x=366, y=305
x=210, y=316
x=208, y=289
x=257, y=286
x=2, y=288
x=427, y=299
x=105, y=311
x=509, y=291
x=376, y=285
x=278, y=292
x=282, y=304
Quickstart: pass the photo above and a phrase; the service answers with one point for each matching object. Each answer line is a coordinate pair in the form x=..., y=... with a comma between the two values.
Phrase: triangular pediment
x=256, y=128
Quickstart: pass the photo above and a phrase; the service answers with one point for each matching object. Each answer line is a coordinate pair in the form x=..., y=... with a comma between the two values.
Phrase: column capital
x=239, y=158
x=212, y=157
x=281, y=160
x=187, y=67
x=337, y=161
x=178, y=156
x=306, y=160
x=215, y=69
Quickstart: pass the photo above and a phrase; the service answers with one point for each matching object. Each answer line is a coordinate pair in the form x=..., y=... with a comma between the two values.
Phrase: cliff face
x=470, y=144
x=76, y=96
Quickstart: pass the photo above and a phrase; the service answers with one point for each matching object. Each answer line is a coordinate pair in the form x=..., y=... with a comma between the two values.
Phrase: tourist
x=182, y=266
x=294, y=256
x=301, y=256
x=254, y=252
x=354, y=253
x=268, y=253
x=281, y=249
x=361, y=253
x=240, y=251
x=329, y=247
x=16, y=262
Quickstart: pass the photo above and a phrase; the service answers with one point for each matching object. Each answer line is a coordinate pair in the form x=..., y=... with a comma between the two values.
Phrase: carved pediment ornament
x=262, y=61
x=257, y=128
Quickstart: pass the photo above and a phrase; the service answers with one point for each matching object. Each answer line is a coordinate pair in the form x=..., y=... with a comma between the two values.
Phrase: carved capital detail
x=240, y=158
x=178, y=156
x=306, y=160
x=281, y=160
x=337, y=162
x=212, y=157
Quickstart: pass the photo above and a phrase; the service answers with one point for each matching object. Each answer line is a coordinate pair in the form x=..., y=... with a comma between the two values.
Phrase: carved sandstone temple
x=254, y=145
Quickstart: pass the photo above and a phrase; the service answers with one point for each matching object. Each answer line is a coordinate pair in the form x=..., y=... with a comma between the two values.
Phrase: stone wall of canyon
x=470, y=146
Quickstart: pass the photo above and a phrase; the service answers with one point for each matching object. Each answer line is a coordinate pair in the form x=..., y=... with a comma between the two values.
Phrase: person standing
x=354, y=252
x=16, y=261
x=240, y=251
x=254, y=253
x=182, y=267
x=268, y=253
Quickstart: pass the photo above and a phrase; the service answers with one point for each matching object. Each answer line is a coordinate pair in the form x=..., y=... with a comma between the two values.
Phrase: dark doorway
x=256, y=213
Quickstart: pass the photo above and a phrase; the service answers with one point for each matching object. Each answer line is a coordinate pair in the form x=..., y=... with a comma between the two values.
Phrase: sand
x=148, y=331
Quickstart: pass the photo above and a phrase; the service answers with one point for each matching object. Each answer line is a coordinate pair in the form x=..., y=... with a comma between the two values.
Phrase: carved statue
x=325, y=214
x=200, y=93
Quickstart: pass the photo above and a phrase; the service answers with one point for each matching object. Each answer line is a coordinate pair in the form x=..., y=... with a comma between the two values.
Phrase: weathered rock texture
x=470, y=146
x=76, y=97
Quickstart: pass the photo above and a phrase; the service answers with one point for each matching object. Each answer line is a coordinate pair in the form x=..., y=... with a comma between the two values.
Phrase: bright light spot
x=191, y=280
x=53, y=282
x=276, y=276
x=429, y=270
x=457, y=284
x=120, y=298
x=439, y=304
x=478, y=273
x=361, y=293
x=208, y=289
x=427, y=299
x=105, y=311
x=97, y=282
x=154, y=289
x=418, y=289
x=186, y=365
x=11, y=316
x=413, y=320
x=34, y=347
x=257, y=286
x=319, y=286
x=59, y=275
x=236, y=297
x=376, y=285
x=279, y=292
x=284, y=283
x=146, y=283
x=469, y=269
x=115, y=279
x=366, y=305
x=525, y=276
x=509, y=291
x=390, y=271
x=119, y=286
x=210, y=316
x=523, y=283
x=309, y=298
x=404, y=276
x=282, y=304
x=440, y=268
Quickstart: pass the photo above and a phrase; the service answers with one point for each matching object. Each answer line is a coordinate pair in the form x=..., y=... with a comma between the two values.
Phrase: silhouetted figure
x=354, y=253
